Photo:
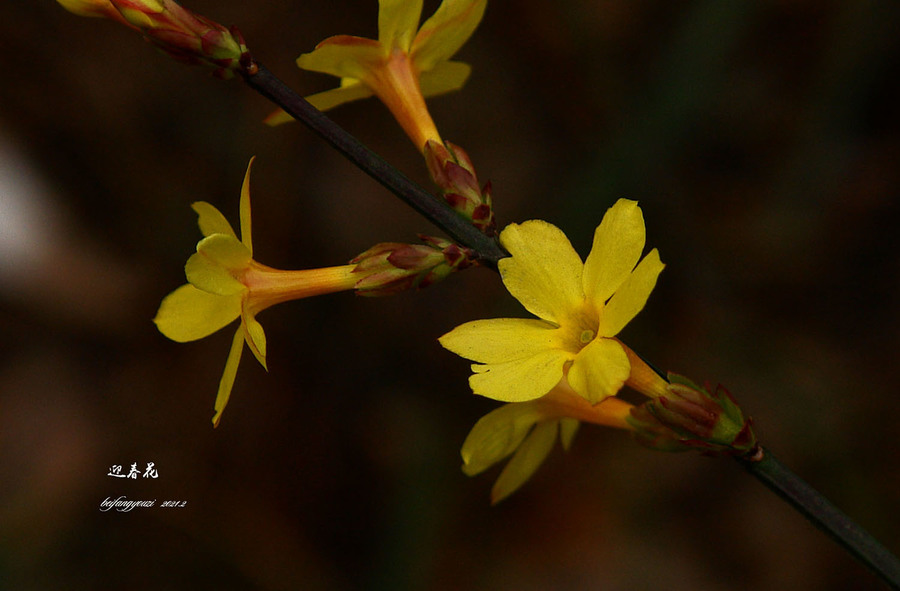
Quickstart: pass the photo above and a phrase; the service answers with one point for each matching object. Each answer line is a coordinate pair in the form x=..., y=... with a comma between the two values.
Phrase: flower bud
x=688, y=416
x=452, y=171
x=187, y=37
x=391, y=267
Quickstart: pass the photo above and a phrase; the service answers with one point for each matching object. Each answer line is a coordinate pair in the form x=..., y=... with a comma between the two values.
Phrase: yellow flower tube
x=225, y=283
x=401, y=67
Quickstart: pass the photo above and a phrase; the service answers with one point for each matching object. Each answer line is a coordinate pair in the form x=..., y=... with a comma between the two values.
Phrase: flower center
x=577, y=331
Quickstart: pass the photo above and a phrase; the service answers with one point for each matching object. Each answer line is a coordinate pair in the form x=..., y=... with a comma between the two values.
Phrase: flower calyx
x=452, y=171
x=391, y=267
x=689, y=416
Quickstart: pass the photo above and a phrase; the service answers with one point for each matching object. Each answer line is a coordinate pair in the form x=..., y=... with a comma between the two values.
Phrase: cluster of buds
x=453, y=172
x=689, y=416
x=390, y=267
x=184, y=35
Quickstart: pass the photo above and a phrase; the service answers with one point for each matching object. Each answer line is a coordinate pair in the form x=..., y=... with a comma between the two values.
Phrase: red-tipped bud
x=391, y=267
x=688, y=416
x=452, y=171
x=187, y=37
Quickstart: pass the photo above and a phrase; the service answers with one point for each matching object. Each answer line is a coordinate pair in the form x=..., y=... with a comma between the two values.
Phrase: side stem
x=825, y=516
x=260, y=79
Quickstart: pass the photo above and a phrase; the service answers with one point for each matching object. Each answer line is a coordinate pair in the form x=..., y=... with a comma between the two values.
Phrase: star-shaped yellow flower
x=581, y=308
x=402, y=67
x=225, y=283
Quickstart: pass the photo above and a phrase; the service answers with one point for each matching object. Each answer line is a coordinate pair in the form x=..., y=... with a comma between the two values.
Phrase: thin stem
x=488, y=252
x=825, y=516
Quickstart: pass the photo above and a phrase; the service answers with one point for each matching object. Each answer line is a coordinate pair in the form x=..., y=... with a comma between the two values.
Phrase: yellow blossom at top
x=581, y=307
x=403, y=66
x=225, y=283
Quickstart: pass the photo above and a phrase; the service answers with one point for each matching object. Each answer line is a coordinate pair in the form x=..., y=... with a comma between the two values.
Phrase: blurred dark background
x=762, y=140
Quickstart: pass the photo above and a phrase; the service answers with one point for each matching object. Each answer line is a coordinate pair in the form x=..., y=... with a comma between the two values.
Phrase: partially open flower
x=402, y=67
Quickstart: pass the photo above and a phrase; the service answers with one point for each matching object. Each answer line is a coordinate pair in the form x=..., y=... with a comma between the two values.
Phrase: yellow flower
x=224, y=283
x=527, y=432
x=402, y=66
x=581, y=306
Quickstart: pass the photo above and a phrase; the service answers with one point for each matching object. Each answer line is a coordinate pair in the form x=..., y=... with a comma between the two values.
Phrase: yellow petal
x=567, y=430
x=225, y=251
x=344, y=56
x=211, y=220
x=228, y=376
x=544, y=271
x=496, y=435
x=500, y=339
x=255, y=336
x=443, y=78
x=350, y=89
x=246, y=237
x=631, y=296
x=188, y=314
x=520, y=380
x=599, y=370
x=397, y=22
x=213, y=268
x=93, y=8
x=278, y=117
x=446, y=31
x=211, y=277
x=618, y=243
x=527, y=459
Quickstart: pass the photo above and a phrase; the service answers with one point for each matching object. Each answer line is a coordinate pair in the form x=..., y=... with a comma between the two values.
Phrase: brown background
x=762, y=141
